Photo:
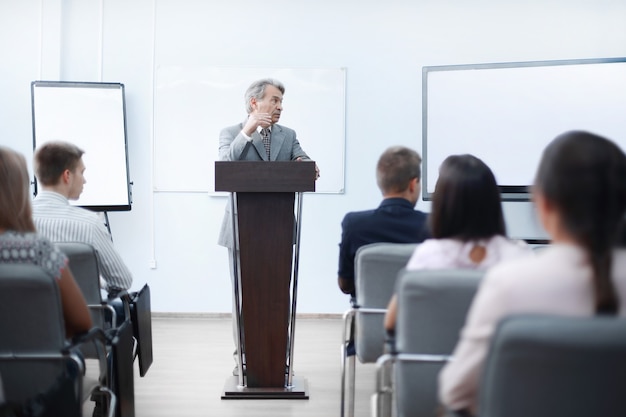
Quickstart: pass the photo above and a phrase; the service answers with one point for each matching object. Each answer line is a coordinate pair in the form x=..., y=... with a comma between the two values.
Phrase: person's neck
x=405, y=196
x=562, y=236
x=56, y=189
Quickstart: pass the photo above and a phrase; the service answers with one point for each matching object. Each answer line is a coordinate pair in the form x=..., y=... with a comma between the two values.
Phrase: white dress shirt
x=59, y=221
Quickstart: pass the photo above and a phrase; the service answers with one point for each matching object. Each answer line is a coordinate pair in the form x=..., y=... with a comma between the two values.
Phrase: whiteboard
x=92, y=117
x=507, y=113
x=193, y=104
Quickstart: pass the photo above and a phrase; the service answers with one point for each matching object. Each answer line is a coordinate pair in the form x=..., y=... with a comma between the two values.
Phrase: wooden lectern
x=266, y=233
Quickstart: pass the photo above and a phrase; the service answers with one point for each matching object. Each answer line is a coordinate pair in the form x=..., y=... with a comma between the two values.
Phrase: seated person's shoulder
x=432, y=253
x=86, y=215
x=512, y=248
x=421, y=217
x=528, y=266
x=356, y=217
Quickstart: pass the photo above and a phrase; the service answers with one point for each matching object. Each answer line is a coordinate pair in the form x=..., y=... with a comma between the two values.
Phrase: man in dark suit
x=395, y=220
x=258, y=138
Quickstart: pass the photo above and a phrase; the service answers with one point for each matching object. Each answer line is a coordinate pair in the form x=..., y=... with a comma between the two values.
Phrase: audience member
x=580, y=197
x=466, y=223
x=59, y=167
x=395, y=220
x=20, y=244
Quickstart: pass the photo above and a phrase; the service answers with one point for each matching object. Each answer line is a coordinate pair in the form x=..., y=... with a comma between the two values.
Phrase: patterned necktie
x=265, y=134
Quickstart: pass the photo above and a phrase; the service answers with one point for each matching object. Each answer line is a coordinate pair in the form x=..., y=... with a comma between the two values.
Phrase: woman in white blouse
x=466, y=223
x=580, y=197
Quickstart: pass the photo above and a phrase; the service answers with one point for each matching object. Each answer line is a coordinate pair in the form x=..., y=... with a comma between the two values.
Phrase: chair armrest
x=368, y=310
x=109, y=308
x=100, y=340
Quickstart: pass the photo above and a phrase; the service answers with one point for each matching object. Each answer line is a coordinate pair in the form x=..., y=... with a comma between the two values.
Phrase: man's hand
x=346, y=286
x=255, y=120
x=317, y=170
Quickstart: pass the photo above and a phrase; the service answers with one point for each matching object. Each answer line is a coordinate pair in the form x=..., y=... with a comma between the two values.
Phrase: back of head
x=15, y=209
x=584, y=176
x=466, y=202
x=53, y=158
x=257, y=90
x=396, y=167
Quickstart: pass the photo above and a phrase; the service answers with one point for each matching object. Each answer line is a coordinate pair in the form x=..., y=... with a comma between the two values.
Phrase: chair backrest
x=30, y=310
x=83, y=263
x=32, y=331
x=432, y=307
x=376, y=268
x=555, y=366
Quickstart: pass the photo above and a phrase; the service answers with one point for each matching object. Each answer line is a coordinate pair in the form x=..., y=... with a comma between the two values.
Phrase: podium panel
x=265, y=257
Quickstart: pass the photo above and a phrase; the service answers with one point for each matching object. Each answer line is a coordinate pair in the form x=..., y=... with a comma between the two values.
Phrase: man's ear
x=414, y=184
x=65, y=177
x=253, y=103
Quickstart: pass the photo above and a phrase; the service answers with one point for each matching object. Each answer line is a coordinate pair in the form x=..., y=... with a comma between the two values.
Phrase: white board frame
x=506, y=113
x=92, y=116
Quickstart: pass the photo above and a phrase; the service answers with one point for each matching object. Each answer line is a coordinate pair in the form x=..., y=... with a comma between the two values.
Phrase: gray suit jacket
x=235, y=147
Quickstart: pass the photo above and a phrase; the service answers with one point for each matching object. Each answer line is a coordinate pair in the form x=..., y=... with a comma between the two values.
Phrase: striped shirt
x=59, y=221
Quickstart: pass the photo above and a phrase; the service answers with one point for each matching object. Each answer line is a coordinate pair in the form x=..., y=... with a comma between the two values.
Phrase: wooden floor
x=193, y=359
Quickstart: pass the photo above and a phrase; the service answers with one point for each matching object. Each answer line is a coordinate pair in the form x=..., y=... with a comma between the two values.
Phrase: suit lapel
x=278, y=138
x=257, y=141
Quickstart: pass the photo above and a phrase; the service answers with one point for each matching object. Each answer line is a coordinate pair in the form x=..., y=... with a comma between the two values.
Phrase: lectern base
x=298, y=391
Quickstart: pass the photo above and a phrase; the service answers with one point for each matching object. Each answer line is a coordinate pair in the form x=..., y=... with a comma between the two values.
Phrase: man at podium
x=258, y=138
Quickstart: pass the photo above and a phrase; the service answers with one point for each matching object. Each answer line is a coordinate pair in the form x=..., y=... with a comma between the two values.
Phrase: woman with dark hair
x=580, y=197
x=466, y=223
x=466, y=220
x=20, y=244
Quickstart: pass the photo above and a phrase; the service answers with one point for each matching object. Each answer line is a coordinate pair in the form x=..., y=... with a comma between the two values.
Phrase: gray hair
x=257, y=90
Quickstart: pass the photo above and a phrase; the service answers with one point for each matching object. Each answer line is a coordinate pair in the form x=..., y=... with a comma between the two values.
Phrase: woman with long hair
x=20, y=244
x=580, y=197
x=466, y=223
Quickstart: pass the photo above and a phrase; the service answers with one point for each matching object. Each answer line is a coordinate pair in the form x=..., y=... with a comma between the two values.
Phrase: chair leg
x=351, y=385
x=387, y=398
x=382, y=400
x=347, y=337
x=343, y=379
x=105, y=403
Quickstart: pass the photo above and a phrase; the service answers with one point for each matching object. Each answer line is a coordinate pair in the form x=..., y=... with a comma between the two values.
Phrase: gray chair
x=432, y=307
x=83, y=262
x=376, y=268
x=549, y=366
x=34, y=353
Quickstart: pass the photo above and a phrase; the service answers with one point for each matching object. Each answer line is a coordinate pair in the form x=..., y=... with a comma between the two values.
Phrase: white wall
x=383, y=45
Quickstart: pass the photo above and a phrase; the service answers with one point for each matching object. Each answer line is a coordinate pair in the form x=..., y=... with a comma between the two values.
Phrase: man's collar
x=395, y=201
x=52, y=195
